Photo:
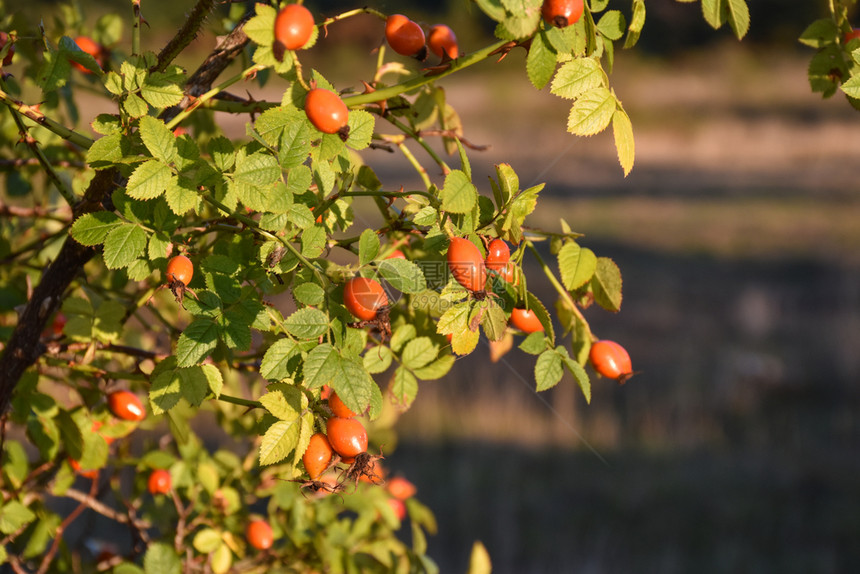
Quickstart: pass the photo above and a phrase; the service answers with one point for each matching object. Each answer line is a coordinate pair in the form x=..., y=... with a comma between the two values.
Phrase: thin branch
x=33, y=113
x=103, y=509
x=58, y=534
x=185, y=35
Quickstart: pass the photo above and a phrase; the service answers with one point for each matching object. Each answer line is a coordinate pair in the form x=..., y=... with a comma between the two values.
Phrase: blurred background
x=737, y=447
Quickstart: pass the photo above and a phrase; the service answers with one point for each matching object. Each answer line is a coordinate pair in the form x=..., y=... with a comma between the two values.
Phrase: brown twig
x=105, y=510
x=58, y=535
x=24, y=347
x=186, y=34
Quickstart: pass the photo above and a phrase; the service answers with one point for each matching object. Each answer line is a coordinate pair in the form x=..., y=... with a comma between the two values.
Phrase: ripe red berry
x=92, y=48
x=498, y=255
x=443, y=41
x=853, y=34
x=4, y=37
x=259, y=534
x=338, y=407
x=398, y=507
x=327, y=112
x=611, y=360
x=562, y=13
x=466, y=264
x=396, y=254
x=317, y=456
x=294, y=26
x=404, y=36
x=159, y=482
x=401, y=488
x=364, y=297
x=180, y=269
x=76, y=466
x=347, y=436
x=526, y=321
x=125, y=405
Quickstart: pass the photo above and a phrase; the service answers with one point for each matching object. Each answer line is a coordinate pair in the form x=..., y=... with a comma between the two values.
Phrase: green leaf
x=437, y=369
x=107, y=150
x=108, y=321
x=275, y=364
x=577, y=77
x=149, y=180
x=534, y=343
x=377, y=359
x=509, y=183
x=161, y=92
x=541, y=61
x=540, y=311
x=591, y=112
x=253, y=177
x=135, y=106
x=207, y=540
x=712, y=10
x=403, y=275
x=309, y=293
x=307, y=323
x=368, y=246
x=73, y=439
x=606, y=284
x=402, y=334
x=160, y=558
x=738, y=16
x=852, y=87
x=124, y=244
x=455, y=322
x=820, y=33
x=361, y=126
x=166, y=389
x=622, y=130
x=479, y=561
x=313, y=240
x=419, y=353
x=548, y=370
x=492, y=8
x=403, y=387
x=353, y=385
x=637, y=21
x=581, y=377
x=196, y=342
x=158, y=139
x=221, y=560
x=494, y=321
x=576, y=265
x=13, y=516
x=612, y=25
x=284, y=401
x=182, y=196
x=459, y=195
x=92, y=228
x=281, y=439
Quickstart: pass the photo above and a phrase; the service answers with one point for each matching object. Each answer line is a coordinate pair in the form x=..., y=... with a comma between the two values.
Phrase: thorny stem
x=185, y=35
x=33, y=113
x=348, y=14
x=560, y=288
x=67, y=193
x=135, y=28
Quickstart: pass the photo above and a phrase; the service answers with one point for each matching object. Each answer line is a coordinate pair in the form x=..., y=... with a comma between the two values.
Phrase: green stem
x=349, y=14
x=257, y=229
x=563, y=293
x=417, y=82
x=422, y=173
x=243, y=75
x=33, y=113
x=421, y=141
x=241, y=402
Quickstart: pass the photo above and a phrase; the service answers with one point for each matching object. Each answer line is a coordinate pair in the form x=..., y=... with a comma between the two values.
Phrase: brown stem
x=24, y=347
x=185, y=35
x=104, y=509
x=58, y=535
